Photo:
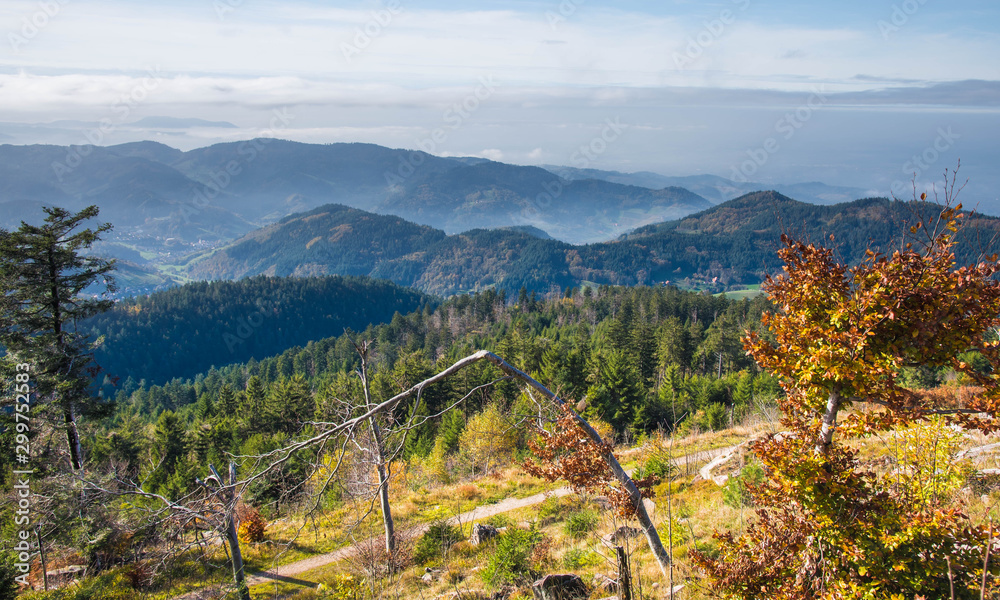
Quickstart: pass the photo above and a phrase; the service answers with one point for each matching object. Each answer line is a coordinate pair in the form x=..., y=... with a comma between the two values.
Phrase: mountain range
x=724, y=247
x=159, y=197
x=443, y=225
x=163, y=199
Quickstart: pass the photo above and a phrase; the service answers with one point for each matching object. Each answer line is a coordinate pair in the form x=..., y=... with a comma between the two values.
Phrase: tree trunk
x=232, y=536
x=73, y=438
x=41, y=557
x=652, y=537
x=383, y=489
x=829, y=423
x=381, y=468
x=239, y=577
x=624, y=575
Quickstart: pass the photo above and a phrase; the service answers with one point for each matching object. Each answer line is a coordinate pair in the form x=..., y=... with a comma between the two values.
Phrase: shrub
x=252, y=526
x=467, y=491
x=510, y=562
x=580, y=558
x=927, y=468
x=550, y=507
x=499, y=521
x=374, y=561
x=435, y=542
x=735, y=493
x=713, y=418
x=581, y=523
x=343, y=587
x=660, y=464
x=489, y=440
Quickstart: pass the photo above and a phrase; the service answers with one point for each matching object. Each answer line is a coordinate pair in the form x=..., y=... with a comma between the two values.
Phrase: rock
x=482, y=533
x=605, y=583
x=621, y=534
x=62, y=577
x=560, y=587
x=603, y=503
x=502, y=594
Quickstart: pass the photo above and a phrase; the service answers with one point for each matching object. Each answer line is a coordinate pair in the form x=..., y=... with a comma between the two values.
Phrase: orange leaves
x=567, y=454
x=851, y=330
x=825, y=526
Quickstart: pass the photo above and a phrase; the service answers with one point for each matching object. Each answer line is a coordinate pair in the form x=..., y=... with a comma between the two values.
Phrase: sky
x=864, y=93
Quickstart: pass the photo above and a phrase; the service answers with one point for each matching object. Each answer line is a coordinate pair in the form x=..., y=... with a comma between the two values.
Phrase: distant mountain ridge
x=717, y=189
x=156, y=193
x=728, y=245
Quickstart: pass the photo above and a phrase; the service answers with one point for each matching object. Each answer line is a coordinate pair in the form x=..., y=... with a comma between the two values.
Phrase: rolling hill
x=725, y=247
x=185, y=330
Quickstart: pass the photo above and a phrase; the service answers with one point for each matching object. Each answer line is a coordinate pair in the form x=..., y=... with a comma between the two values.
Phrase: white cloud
x=421, y=48
x=492, y=154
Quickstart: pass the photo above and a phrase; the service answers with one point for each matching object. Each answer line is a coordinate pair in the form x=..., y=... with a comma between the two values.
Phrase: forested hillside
x=643, y=358
x=185, y=330
x=725, y=247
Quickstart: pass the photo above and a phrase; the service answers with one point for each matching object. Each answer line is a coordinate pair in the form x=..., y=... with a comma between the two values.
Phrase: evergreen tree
x=643, y=350
x=204, y=409
x=226, y=403
x=168, y=440
x=42, y=279
x=289, y=403
x=252, y=407
x=617, y=391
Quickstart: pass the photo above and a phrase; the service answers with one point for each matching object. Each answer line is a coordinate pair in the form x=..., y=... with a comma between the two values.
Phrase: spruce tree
x=43, y=275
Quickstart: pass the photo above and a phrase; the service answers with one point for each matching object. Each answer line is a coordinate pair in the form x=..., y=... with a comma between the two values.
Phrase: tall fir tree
x=43, y=275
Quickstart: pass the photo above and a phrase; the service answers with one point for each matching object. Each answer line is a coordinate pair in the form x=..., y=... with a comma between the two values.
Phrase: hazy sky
x=846, y=92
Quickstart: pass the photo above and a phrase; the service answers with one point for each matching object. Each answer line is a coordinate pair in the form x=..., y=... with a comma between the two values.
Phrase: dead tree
x=211, y=506
x=277, y=458
x=380, y=458
x=227, y=494
x=216, y=510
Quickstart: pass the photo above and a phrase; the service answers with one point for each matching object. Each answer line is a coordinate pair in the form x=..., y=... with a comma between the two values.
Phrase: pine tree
x=42, y=281
x=168, y=439
x=252, y=415
x=226, y=403
x=617, y=391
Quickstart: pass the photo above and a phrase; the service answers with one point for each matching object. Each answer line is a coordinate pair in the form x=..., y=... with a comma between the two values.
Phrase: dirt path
x=287, y=573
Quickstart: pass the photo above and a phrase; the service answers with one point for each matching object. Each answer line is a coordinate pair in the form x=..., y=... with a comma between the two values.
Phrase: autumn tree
x=828, y=526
